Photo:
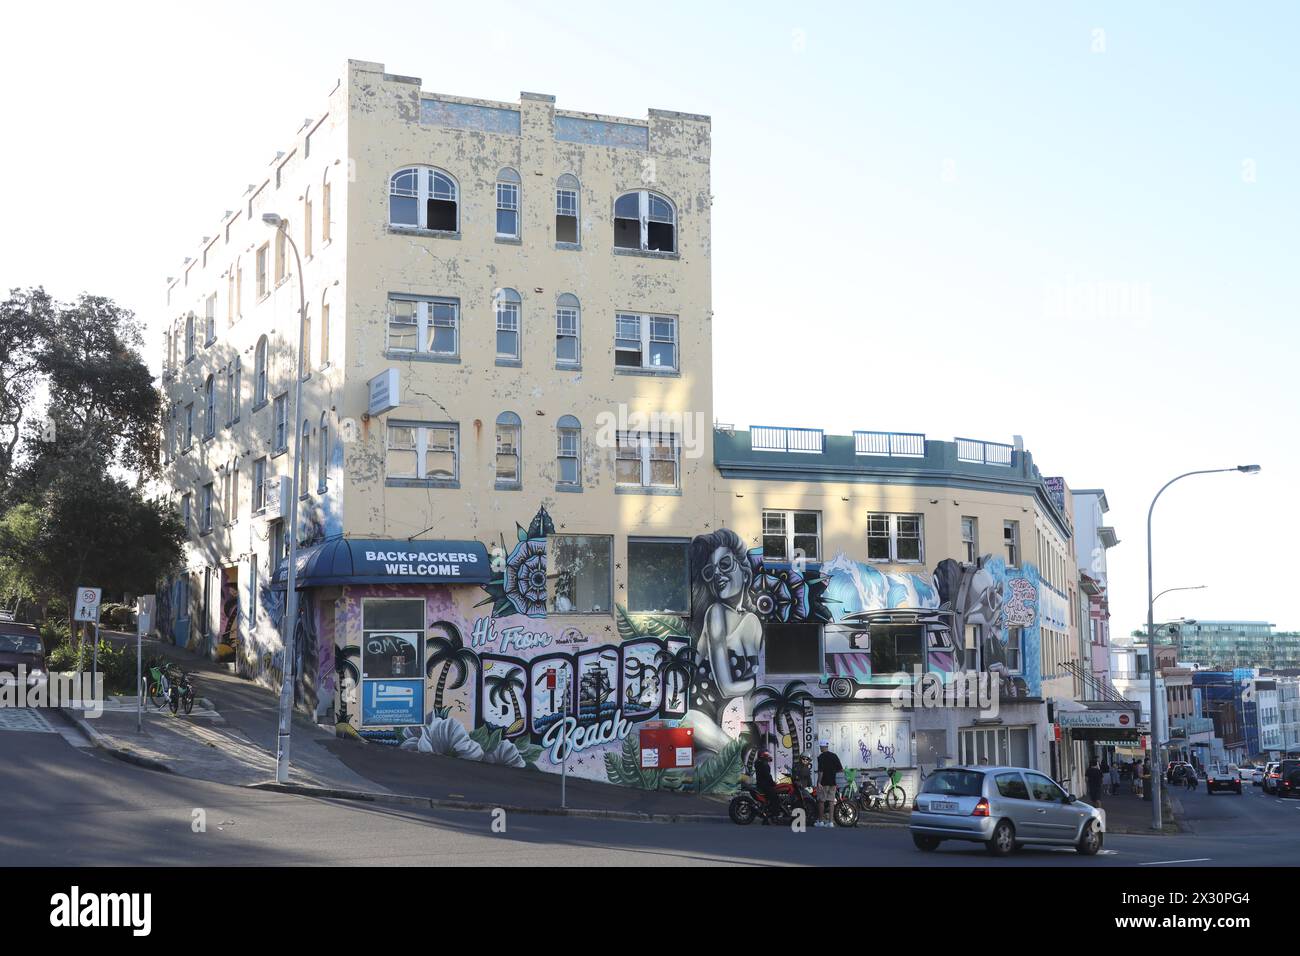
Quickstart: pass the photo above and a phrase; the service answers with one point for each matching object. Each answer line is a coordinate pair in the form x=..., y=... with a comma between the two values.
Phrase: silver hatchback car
x=1003, y=808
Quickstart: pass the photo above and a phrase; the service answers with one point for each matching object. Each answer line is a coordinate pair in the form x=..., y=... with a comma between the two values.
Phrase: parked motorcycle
x=749, y=804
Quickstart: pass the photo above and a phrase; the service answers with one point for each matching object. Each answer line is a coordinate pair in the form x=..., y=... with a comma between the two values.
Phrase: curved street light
x=1157, y=822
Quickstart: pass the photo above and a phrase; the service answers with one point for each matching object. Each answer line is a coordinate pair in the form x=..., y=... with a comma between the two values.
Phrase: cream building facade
x=522, y=539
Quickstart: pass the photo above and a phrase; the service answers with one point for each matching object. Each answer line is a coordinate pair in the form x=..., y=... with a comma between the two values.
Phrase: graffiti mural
x=509, y=680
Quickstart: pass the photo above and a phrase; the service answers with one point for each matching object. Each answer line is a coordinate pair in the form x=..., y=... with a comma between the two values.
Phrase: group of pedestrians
x=829, y=769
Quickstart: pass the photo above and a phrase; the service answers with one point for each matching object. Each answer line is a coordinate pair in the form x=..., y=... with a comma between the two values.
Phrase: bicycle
x=886, y=793
x=169, y=687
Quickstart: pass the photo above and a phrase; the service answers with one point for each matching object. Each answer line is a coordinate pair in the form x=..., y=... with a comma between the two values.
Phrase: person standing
x=828, y=770
x=1114, y=779
x=1105, y=773
x=1093, y=777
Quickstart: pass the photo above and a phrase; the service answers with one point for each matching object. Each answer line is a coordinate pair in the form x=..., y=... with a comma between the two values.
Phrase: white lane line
x=1199, y=859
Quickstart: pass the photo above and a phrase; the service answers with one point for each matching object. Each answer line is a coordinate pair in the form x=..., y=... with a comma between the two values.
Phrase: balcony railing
x=983, y=452
x=806, y=441
x=889, y=444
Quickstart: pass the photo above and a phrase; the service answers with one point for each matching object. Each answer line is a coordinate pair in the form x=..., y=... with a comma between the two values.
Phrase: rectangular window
x=648, y=460
x=897, y=647
x=324, y=335
x=645, y=341
x=281, y=254
x=430, y=326
x=895, y=538
x=566, y=215
x=970, y=539
x=507, y=454
x=392, y=650
x=306, y=228
x=791, y=534
x=508, y=210
x=566, y=336
x=205, y=509
x=185, y=511
x=189, y=424
x=1011, y=538
x=424, y=452
x=279, y=544
x=582, y=566
x=232, y=505
x=259, y=484
x=1015, y=638
x=792, y=648
x=281, y=416
x=262, y=255
x=325, y=213
x=658, y=575
x=507, y=330
x=566, y=456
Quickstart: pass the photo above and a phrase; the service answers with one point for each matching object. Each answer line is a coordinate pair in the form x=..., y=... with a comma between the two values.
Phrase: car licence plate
x=943, y=806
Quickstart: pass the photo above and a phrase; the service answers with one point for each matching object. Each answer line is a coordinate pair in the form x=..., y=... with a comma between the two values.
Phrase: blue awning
x=340, y=561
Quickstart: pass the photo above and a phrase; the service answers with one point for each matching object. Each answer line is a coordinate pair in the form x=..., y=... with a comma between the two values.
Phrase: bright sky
x=1071, y=222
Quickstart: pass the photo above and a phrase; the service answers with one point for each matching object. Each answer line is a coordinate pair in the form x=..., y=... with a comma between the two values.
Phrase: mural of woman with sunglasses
x=728, y=634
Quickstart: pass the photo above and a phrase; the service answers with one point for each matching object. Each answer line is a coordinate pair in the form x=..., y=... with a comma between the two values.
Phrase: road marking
x=1199, y=859
x=24, y=720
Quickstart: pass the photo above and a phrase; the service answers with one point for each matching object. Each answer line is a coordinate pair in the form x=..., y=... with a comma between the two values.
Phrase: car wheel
x=1090, y=843
x=927, y=843
x=1003, y=840
x=841, y=688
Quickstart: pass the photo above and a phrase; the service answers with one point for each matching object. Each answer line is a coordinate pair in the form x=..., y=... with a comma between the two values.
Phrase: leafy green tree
x=26, y=322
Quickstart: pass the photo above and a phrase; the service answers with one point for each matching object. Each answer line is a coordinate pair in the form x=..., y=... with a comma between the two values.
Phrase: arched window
x=566, y=209
x=509, y=433
x=322, y=476
x=234, y=377
x=304, y=459
x=508, y=204
x=508, y=307
x=259, y=374
x=209, y=407
x=567, y=326
x=422, y=197
x=568, y=442
x=645, y=220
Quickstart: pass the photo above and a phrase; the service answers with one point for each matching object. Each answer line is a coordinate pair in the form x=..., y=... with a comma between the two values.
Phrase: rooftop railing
x=889, y=444
x=806, y=441
x=974, y=451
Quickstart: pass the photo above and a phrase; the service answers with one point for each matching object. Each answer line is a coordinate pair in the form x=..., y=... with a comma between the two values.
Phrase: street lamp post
x=1157, y=822
x=289, y=626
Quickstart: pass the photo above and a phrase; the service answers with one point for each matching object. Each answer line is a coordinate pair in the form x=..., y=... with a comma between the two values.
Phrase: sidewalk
x=1126, y=813
x=237, y=749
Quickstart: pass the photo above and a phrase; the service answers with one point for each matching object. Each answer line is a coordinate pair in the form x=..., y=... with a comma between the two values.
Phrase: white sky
x=913, y=205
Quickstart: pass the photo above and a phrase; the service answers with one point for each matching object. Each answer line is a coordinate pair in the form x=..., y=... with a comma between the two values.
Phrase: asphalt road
x=68, y=806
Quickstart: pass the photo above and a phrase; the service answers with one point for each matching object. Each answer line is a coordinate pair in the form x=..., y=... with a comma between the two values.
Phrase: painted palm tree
x=450, y=651
x=507, y=685
x=677, y=669
x=783, y=703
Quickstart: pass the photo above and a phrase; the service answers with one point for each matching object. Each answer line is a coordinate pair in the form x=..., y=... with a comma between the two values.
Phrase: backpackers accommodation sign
x=421, y=564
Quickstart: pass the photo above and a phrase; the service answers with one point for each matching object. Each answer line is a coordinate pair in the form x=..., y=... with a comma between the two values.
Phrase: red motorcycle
x=751, y=803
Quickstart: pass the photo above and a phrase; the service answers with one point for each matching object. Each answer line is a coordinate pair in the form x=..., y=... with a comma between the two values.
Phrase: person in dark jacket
x=766, y=785
x=1093, y=777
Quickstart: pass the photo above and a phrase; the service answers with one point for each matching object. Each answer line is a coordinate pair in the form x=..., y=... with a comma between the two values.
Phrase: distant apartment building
x=1092, y=541
x=1236, y=644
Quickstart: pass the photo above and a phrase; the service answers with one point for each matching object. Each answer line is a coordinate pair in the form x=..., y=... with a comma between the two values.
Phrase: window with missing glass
x=423, y=452
x=580, y=568
x=792, y=648
x=658, y=575
x=791, y=534
x=894, y=538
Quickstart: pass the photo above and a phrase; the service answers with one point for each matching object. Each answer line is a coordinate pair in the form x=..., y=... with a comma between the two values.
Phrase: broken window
x=645, y=220
x=423, y=198
x=508, y=204
x=566, y=209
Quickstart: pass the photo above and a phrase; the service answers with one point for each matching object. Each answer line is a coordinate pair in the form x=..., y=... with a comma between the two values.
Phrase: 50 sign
x=87, y=608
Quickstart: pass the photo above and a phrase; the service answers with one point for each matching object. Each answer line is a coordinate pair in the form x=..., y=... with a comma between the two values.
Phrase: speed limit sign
x=87, y=608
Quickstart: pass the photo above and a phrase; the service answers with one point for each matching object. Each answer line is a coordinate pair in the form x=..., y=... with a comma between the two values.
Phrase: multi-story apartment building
x=516, y=539
x=1235, y=644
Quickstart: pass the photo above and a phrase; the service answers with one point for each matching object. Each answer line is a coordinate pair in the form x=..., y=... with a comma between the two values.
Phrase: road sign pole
x=94, y=656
